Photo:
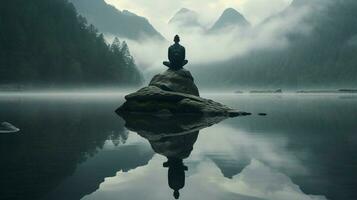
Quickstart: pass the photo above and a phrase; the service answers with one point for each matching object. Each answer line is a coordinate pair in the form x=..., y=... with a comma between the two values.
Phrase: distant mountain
x=227, y=168
x=185, y=18
x=46, y=44
x=322, y=57
x=230, y=18
x=110, y=20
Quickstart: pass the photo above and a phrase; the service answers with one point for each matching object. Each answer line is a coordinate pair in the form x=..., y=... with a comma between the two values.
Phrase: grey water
x=74, y=146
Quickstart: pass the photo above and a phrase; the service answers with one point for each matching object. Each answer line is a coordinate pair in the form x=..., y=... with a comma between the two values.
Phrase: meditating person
x=177, y=55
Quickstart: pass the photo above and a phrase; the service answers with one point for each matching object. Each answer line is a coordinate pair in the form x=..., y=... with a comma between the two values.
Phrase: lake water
x=75, y=147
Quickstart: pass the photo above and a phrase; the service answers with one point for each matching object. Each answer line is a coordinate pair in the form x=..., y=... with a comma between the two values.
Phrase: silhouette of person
x=177, y=55
x=176, y=174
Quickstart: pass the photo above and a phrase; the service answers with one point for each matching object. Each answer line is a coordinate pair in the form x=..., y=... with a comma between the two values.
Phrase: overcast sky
x=159, y=12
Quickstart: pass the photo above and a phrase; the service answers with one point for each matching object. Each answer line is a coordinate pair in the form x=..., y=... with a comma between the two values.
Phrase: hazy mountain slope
x=110, y=20
x=324, y=57
x=185, y=18
x=230, y=17
x=45, y=43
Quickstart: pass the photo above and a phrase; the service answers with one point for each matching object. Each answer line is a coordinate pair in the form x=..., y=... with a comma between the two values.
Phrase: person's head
x=177, y=39
x=176, y=194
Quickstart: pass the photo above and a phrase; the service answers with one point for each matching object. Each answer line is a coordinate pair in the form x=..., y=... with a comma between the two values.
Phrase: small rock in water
x=6, y=127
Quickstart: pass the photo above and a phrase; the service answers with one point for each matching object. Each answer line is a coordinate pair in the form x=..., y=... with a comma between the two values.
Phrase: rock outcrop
x=6, y=127
x=175, y=81
x=174, y=92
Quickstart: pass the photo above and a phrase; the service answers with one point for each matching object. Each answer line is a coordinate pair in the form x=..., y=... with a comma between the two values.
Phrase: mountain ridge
x=321, y=57
x=230, y=18
x=109, y=19
x=185, y=18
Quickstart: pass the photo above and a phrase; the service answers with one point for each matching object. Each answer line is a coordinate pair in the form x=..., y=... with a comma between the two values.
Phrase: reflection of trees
x=119, y=137
x=55, y=137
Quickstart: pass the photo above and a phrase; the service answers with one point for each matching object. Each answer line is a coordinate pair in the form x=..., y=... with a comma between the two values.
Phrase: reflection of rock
x=155, y=127
x=173, y=92
x=172, y=137
x=6, y=127
x=178, y=147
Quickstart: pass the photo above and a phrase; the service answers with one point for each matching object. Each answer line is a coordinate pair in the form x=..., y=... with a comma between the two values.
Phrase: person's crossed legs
x=169, y=65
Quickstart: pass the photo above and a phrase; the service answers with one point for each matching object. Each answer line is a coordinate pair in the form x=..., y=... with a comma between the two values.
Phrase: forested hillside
x=46, y=43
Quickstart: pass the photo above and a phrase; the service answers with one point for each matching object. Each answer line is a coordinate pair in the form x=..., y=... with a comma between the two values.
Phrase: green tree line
x=46, y=43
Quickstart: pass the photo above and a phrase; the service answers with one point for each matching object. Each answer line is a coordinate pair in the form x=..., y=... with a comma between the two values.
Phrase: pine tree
x=129, y=60
x=48, y=43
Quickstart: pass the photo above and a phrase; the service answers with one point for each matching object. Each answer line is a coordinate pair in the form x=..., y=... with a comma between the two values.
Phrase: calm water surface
x=76, y=147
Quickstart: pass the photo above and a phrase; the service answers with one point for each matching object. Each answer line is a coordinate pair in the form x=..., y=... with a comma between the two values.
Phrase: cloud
x=257, y=181
x=258, y=10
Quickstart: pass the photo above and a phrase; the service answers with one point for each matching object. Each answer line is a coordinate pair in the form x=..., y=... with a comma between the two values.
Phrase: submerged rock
x=174, y=92
x=6, y=127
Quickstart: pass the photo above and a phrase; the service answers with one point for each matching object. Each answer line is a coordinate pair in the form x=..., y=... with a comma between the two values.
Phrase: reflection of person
x=177, y=55
x=176, y=175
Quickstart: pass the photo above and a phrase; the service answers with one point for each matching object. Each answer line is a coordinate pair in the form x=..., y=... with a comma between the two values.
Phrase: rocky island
x=174, y=92
x=6, y=127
